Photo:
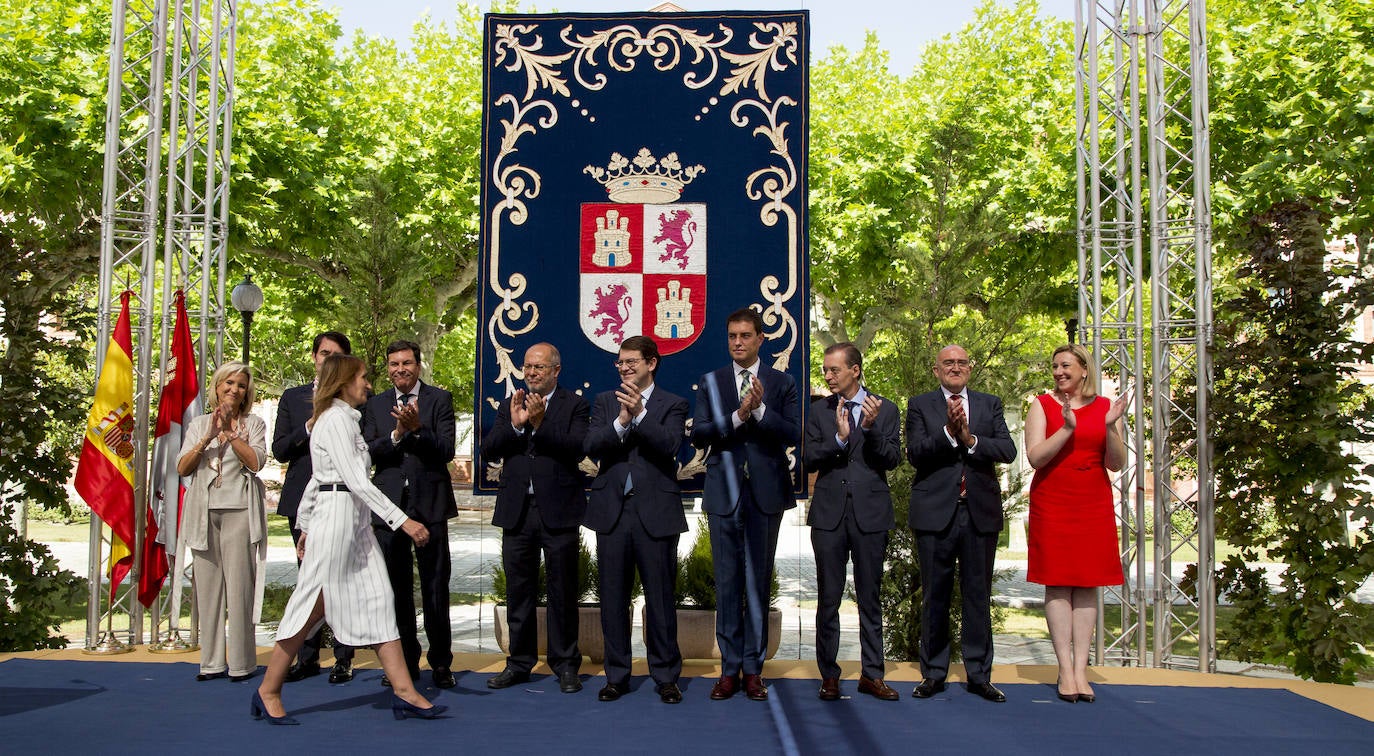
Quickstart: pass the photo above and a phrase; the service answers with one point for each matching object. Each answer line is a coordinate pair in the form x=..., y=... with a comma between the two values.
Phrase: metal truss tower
x=1117, y=43
x=186, y=120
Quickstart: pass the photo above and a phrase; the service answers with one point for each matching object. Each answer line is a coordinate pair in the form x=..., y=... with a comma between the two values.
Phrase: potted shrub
x=696, y=604
x=589, y=638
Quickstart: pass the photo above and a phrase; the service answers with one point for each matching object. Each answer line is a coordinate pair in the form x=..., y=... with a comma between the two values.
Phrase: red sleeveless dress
x=1073, y=535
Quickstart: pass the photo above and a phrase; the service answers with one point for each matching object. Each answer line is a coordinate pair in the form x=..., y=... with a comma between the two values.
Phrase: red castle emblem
x=643, y=256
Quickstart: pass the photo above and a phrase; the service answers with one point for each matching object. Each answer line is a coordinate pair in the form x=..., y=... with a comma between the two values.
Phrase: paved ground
x=476, y=548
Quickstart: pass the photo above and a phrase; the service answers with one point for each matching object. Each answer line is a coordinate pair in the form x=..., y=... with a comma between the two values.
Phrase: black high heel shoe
x=401, y=708
x=1066, y=697
x=1087, y=697
x=259, y=711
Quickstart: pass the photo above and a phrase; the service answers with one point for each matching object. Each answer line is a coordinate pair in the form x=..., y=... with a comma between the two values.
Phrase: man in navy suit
x=291, y=445
x=636, y=510
x=538, y=435
x=954, y=438
x=852, y=440
x=410, y=431
x=747, y=413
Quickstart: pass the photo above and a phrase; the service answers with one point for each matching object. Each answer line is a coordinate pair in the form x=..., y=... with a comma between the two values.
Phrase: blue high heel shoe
x=401, y=708
x=259, y=711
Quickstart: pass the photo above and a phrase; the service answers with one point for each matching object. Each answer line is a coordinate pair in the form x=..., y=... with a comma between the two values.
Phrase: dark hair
x=852, y=356
x=334, y=336
x=400, y=345
x=746, y=315
x=336, y=371
x=647, y=348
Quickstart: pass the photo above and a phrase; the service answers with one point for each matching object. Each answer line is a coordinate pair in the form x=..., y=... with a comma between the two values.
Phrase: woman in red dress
x=1073, y=437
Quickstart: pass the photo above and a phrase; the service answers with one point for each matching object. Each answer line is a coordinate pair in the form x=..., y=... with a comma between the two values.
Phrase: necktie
x=744, y=384
x=849, y=412
x=963, y=480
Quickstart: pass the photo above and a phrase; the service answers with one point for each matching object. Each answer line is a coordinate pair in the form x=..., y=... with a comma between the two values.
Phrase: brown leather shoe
x=830, y=689
x=878, y=689
x=754, y=688
x=724, y=688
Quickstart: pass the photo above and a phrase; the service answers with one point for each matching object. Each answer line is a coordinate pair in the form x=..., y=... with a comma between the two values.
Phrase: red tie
x=963, y=479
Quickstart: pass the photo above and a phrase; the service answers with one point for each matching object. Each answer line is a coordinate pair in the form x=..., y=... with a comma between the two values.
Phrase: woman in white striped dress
x=342, y=576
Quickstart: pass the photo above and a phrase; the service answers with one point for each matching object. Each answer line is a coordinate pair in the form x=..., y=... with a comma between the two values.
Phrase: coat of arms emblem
x=643, y=255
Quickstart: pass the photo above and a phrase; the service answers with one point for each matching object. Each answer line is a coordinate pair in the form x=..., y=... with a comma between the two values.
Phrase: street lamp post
x=246, y=298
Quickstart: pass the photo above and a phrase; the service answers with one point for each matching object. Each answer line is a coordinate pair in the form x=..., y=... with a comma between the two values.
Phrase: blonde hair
x=1085, y=359
x=222, y=374
x=336, y=372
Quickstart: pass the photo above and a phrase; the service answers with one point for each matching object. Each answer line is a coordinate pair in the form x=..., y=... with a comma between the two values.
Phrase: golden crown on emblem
x=645, y=179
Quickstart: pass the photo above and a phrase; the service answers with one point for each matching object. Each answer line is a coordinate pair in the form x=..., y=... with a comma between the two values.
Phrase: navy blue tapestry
x=642, y=173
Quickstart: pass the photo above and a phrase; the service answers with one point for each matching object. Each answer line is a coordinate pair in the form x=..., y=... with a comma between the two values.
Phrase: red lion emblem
x=679, y=232
x=613, y=307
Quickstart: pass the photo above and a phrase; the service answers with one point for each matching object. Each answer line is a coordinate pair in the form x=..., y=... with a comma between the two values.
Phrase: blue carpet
x=124, y=707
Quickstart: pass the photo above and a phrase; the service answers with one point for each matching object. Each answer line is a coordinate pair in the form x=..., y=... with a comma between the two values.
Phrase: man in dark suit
x=411, y=432
x=747, y=413
x=636, y=510
x=954, y=438
x=291, y=445
x=852, y=440
x=539, y=432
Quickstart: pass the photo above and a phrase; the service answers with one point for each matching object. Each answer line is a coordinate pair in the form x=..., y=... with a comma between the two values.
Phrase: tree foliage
x=942, y=204
x=361, y=178
x=51, y=136
x=1292, y=112
x=1286, y=410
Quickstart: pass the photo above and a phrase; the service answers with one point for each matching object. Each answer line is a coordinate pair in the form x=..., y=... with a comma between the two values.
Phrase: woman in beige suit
x=224, y=522
x=343, y=578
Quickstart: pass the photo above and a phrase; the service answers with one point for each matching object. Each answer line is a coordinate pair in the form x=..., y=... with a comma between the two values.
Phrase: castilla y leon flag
x=105, y=471
x=180, y=400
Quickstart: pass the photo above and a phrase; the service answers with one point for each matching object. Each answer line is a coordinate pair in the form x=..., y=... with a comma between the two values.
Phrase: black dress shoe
x=985, y=690
x=204, y=676
x=928, y=688
x=506, y=678
x=299, y=671
x=443, y=677
x=613, y=691
x=341, y=673
x=243, y=678
x=569, y=682
x=669, y=693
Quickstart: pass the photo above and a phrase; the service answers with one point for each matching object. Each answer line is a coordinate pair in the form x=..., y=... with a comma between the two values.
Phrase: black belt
x=333, y=487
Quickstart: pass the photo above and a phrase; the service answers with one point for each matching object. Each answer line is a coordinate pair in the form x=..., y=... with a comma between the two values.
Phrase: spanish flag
x=105, y=471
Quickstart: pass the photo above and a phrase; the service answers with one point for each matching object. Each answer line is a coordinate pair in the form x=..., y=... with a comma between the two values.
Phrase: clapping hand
x=1070, y=419
x=869, y=415
x=1118, y=408
x=534, y=407
x=519, y=414
x=407, y=418
x=752, y=400
x=631, y=402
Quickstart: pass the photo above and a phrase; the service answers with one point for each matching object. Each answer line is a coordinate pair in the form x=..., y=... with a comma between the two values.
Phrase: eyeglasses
x=536, y=367
x=952, y=363
x=629, y=362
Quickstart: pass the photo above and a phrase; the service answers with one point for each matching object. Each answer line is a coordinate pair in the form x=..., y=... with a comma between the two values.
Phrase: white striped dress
x=342, y=558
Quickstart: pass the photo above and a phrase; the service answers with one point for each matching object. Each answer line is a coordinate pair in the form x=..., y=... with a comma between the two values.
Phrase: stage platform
x=71, y=702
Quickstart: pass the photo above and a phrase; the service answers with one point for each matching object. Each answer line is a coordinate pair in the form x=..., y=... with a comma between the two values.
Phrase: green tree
x=365, y=174
x=51, y=143
x=1291, y=114
x=942, y=211
x=1286, y=409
